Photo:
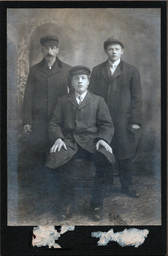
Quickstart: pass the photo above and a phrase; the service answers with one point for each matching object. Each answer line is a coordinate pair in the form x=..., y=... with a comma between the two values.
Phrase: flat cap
x=49, y=40
x=112, y=40
x=79, y=70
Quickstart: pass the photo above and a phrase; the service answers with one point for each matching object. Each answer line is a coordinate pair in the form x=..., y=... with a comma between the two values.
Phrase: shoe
x=116, y=219
x=96, y=214
x=130, y=192
x=65, y=214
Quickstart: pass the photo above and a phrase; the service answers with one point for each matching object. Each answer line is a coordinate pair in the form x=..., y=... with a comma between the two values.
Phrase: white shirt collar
x=115, y=63
x=82, y=96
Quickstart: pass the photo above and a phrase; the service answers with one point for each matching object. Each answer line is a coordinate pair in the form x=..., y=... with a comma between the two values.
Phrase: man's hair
x=111, y=41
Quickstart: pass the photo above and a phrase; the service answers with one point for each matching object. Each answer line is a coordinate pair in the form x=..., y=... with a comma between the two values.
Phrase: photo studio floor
x=39, y=201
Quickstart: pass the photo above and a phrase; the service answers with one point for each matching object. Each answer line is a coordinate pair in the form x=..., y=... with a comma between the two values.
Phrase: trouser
x=31, y=155
x=32, y=176
x=101, y=180
x=126, y=169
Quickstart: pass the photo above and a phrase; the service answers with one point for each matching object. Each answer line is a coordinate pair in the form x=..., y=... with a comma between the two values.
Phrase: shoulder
x=37, y=65
x=96, y=97
x=64, y=98
x=129, y=66
x=100, y=66
x=63, y=65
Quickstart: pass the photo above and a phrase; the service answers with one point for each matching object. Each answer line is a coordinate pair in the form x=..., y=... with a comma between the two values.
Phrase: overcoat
x=82, y=125
x=43, y=88
x=123, y=95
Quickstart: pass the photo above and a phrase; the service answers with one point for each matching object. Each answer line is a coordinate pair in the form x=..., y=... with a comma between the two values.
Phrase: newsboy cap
x=112, y=40
x=49, y=40
x=79, y=70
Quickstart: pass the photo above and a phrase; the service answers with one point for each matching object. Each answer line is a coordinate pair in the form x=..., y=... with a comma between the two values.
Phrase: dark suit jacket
x=123, y=95
x=42, y=91
x=82, y=125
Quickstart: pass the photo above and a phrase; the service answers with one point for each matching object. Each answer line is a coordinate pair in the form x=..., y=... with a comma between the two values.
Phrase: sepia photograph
x=84, y=116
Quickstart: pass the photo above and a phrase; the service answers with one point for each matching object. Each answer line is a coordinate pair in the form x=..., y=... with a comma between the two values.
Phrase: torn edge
x=47, y=235
x=129, y=237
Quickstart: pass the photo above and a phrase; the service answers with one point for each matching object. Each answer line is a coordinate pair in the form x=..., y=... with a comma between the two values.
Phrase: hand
x=104, y=145
x=58, y=145
x=134, y=127
x=27, y=128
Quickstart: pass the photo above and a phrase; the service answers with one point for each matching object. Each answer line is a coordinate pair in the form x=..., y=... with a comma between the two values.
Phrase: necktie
x=79, y=100
x=112, y=68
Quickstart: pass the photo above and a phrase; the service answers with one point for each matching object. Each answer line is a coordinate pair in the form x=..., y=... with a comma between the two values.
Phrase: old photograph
x=84, y=116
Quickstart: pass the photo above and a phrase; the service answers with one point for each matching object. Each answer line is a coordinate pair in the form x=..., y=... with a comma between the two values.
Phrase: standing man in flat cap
x=119, y=84
x=81, y=127
x=47, y=81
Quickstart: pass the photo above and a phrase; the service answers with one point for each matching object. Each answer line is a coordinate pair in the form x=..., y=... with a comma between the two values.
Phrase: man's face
x=80, y=83
x=114, y=52
x=50, y=52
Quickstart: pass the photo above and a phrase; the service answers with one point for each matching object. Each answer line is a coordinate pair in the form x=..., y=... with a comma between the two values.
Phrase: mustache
x=49, y=55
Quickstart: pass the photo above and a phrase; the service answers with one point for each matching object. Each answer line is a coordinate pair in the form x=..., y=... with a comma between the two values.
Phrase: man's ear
x=57, y=50
x=88, y=80
x=70, y=84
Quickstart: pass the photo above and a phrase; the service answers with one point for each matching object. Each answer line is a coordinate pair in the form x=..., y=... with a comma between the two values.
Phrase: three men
x=81, y=127
x=47, y=81
x=119, y=84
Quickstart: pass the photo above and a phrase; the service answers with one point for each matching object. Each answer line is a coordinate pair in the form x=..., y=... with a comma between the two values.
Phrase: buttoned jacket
x=43, y=88
x=82, y=125
x=123, y=95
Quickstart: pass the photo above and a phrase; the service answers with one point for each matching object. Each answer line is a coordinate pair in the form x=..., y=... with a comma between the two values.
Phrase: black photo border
x=16, y=240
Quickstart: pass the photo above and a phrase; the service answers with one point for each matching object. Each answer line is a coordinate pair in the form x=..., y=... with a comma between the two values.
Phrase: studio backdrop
x=81, y=33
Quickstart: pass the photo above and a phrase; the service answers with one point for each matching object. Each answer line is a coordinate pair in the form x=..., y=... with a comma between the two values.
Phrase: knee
x=101, y=161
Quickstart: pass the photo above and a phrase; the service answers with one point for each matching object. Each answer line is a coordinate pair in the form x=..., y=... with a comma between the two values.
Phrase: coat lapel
x=55, y=69
x=46, y=70
x=72, y=99
x=118, y=70
x=114, y=85
x=44, y=67
x=86, y=101
x=106, y=72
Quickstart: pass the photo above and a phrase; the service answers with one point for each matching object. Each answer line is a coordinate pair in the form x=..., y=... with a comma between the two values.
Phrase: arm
x=136, y=100
x=28, y=102
x=93, y=82
x=104, y=123
x=56, y=123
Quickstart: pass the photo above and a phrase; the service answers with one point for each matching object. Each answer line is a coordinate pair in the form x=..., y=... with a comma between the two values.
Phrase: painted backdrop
x=82, y=33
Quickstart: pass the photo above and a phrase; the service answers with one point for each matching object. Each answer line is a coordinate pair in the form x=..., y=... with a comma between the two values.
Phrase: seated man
x=81, y=127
